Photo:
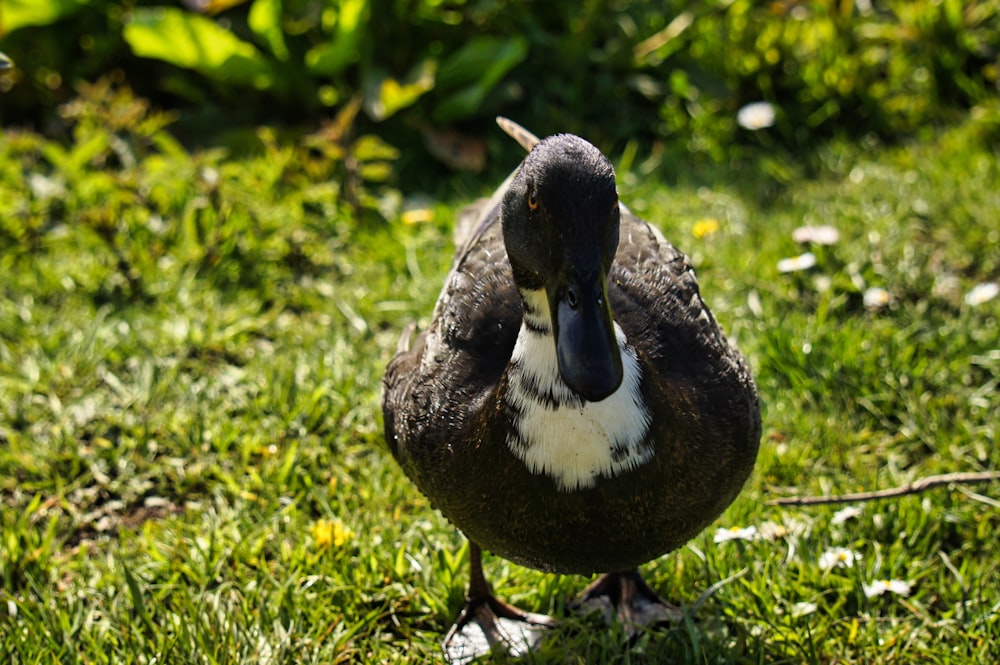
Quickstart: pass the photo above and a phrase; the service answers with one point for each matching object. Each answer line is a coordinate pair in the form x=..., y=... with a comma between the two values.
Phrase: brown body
x=447, y=423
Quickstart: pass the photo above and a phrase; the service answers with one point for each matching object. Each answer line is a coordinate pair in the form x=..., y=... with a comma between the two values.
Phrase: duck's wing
x=437, y=386
x=691, y=373
x=476, y=217
x=655, y=297
x=461, y=357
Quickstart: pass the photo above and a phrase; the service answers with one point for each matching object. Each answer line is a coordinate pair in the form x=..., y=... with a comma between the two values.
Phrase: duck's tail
x=518, y=133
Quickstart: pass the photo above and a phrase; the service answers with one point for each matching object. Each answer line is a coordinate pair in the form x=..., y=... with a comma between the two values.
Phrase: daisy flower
x=788, y=532
x=877, y=298
x=845, y=514
x=803, y=608
x=796, y=263
x=773, y=530
x=838, y=557
x=818, y=235
x=735, y=533
x=879, y=587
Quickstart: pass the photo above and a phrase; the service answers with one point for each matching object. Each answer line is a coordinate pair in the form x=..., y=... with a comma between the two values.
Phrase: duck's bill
x=589, y=359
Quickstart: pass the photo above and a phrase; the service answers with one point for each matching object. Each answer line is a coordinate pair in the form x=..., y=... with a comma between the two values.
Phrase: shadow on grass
x=588, y=639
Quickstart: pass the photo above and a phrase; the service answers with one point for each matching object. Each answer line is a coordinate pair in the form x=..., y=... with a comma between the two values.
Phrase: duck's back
x=448, y=418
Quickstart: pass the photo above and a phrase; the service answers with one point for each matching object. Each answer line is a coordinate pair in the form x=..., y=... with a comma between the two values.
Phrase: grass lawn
x=191, y=460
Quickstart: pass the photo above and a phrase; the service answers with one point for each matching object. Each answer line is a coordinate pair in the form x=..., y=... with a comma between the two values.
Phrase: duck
x=573, y=406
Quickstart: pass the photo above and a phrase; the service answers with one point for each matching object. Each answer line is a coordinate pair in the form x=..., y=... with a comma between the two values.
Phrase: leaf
x=369, y=148
x=138, y=600
x=482, y=57
x=265, y=21
x=195, y=42
x=212, y=7
x=332, y=57
x=375, y=171
x=483, y=62
x=384, y=95
x=15, y=14
x=83, y=151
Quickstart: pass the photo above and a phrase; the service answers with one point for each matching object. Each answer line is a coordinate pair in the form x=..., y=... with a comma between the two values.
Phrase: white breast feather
x=574, y=444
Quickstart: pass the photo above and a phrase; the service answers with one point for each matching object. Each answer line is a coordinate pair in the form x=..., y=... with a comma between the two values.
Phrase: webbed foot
x=487, y=623
x=627, y=598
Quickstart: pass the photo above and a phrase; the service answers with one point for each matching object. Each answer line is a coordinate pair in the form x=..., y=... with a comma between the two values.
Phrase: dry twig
x=917, y=486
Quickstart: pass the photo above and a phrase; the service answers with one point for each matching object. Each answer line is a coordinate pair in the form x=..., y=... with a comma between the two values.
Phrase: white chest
x=558, y=434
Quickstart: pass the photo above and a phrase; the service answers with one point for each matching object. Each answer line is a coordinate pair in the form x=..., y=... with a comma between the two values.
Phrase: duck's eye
x=532, y=202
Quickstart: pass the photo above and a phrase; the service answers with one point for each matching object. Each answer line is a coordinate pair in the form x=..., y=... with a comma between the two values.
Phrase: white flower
x=788, y=532
x=845, y=514
x=735, y=533
x=879, y=587
x=981, y=293
x=758, y=115
x=44, y=187
x=773, y=530
x=803, y=608
x=796, y=263
x=210, y=176
x=838, y=557
x=877, y=298
x=818, y=235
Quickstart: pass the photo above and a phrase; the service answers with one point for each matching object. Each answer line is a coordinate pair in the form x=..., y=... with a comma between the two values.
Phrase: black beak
x=589, y=360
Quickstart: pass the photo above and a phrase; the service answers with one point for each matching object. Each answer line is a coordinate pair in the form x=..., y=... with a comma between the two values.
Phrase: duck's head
x=560, y=225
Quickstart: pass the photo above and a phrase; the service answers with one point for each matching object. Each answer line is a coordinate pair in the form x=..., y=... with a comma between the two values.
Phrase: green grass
x=191, y=462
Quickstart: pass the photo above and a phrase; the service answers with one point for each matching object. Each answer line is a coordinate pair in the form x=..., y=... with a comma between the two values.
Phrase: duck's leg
x=486, y=622
x=627, y=597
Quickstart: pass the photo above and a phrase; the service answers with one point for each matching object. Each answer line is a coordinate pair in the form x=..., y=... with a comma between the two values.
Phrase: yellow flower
x=705, y=227
x=418, y=215
x=322, y=533
x=327, y=533
x=341, y=534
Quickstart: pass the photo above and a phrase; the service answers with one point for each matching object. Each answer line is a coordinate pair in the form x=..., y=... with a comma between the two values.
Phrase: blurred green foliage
x=670, y=74
x=132, y=190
